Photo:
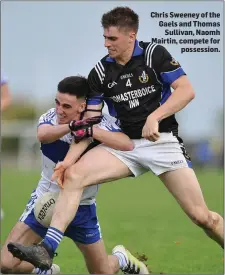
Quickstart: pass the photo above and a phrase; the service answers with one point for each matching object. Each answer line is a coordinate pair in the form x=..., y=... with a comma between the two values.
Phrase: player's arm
x=104, y=129
x=5, y=96
x=47, y=133
x=101, y=128
x=74, y=153
x=183, y=93
x=95, y=97
x=172, y=74
x=115, y=140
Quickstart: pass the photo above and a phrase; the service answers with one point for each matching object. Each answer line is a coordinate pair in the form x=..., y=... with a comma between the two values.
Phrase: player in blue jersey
x=55, y=137
x=5, y=92
x=135, y=78
x=5, y=101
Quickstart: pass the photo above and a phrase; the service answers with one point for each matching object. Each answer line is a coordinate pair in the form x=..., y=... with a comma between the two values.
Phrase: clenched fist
x=150, y=130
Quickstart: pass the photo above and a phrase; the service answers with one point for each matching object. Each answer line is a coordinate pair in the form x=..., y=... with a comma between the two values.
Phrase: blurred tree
x=20, y=110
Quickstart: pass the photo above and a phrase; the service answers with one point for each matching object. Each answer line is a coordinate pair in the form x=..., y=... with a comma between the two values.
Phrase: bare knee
x=74, y=178
x=203, y=218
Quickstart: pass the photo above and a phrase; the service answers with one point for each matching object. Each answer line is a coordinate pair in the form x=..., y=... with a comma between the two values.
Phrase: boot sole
x=16, y=252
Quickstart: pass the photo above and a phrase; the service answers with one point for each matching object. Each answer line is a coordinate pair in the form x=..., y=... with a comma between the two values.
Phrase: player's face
x=68, y=107
x=118, y=41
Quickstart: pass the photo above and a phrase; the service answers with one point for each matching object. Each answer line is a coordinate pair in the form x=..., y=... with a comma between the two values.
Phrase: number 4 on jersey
x=128, y=84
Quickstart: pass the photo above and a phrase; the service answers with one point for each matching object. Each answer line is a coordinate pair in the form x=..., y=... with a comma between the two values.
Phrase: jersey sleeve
x=109, y=123
x=48, y=118
x=165, y=65
x=95, y=81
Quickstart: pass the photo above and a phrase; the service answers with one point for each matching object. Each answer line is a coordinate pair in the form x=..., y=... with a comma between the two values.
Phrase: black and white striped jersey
x=135, y=90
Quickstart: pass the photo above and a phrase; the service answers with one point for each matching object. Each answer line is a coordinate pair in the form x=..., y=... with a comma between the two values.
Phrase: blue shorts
x=84, y=228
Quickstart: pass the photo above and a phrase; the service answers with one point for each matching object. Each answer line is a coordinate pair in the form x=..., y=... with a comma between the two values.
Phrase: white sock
x=121, y=258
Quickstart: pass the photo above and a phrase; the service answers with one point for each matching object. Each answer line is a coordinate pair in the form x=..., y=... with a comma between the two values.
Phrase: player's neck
x=126, y=56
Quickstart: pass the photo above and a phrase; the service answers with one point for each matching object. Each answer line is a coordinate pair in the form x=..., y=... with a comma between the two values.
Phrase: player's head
x=120, y=30
x=71, y=98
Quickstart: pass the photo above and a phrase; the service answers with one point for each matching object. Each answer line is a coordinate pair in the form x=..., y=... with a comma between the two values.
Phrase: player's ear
x=132, y=36
x=82, y=107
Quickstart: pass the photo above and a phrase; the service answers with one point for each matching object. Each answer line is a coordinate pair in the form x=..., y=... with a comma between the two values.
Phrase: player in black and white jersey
x=55, y=136
x=135, y=80
x=136, y=89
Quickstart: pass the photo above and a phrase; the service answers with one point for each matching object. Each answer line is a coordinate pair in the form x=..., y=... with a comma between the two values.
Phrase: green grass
x=139, y=213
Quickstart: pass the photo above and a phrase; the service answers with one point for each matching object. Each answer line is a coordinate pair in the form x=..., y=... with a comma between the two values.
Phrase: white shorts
x=166, y=154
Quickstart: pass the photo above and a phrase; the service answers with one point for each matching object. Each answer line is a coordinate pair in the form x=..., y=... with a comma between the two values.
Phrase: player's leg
x=96, y=166
x=96, y=258
x=168, y=158
x=184, y=186
x=21, y=233
x=98, y=262
x=86, y=233
x=95, y=255
x=27, y=231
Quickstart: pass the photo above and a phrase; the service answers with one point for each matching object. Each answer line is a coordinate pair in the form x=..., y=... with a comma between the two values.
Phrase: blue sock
x=53, y=238
x=37, y=270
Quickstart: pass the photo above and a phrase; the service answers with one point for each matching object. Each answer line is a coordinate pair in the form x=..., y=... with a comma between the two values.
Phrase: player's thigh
x=166, y=154
x=98, y=165
x=184, y=186
x=95, y=256
x=21, y=233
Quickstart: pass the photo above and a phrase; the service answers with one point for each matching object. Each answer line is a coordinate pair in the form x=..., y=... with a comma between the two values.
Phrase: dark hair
x=74, y=85
x=121, y=17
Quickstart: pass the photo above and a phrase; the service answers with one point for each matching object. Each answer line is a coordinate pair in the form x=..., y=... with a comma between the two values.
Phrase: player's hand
x=58, y=174
x=76, y=125
x=81, y=129
x=150, y=130
x=82, y=133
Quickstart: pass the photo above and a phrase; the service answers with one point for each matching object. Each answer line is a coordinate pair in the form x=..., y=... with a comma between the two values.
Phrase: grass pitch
x=138, y=213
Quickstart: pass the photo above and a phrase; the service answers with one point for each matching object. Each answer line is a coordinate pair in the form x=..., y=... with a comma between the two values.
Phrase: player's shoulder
x=150, y=47
x=104, y=60
x=97, y=74
x=102, y=64
x=50, y=113
x=109, y=123
x=4, y=78
x=152, y=52
x=48, y=117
